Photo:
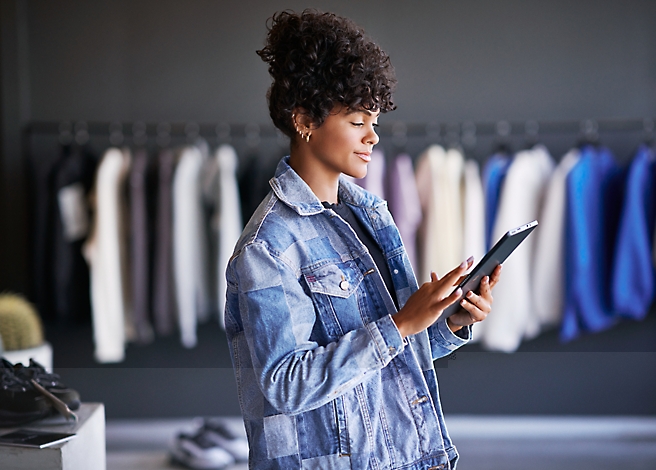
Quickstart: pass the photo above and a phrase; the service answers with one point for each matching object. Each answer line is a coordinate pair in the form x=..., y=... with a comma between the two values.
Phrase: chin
x=357, y=173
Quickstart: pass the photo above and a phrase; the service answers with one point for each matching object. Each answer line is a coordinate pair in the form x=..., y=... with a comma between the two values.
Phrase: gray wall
x=480, y=60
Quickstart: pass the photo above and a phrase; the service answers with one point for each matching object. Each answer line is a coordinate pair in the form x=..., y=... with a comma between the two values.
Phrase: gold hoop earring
x=304, y=135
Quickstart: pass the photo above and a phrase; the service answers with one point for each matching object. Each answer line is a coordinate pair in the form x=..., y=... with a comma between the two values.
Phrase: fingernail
x=463, y=303
x=459, y=291
x=470, y=260
x=464, y=264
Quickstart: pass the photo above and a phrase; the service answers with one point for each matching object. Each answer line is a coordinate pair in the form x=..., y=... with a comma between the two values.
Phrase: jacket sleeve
x=295, y=373
x=443, y=341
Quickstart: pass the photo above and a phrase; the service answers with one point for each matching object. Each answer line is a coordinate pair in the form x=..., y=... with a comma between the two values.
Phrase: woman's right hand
x=425, y=306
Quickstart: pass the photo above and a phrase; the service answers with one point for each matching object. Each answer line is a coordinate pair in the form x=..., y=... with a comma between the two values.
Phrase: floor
x=484, y=442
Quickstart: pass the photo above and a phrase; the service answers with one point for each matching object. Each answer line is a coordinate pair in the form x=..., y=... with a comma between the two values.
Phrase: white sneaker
x=228, y=435
x=198, y=452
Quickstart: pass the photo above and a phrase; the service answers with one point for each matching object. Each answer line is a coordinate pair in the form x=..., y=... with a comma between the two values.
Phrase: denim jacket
x=325, y=379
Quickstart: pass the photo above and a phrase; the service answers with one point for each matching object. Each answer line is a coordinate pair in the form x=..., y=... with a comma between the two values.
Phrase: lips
x=366, y=156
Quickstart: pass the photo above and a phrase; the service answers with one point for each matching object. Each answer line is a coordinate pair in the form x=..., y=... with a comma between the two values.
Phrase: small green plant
x=20, y=324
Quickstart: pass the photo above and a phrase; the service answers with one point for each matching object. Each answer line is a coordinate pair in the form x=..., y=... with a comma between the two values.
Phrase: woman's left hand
x=475, y=306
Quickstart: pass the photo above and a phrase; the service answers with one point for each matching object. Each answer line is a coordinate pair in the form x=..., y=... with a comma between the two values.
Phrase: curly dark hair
x=320, y=60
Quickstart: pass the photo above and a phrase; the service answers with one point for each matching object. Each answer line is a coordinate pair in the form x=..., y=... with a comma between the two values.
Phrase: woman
x=331, y=339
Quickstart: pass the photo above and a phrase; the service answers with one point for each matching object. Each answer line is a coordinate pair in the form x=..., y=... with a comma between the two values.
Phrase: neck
x=324, y=184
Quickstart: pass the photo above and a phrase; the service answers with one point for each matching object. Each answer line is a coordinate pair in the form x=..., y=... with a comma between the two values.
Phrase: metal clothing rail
x=140, y=131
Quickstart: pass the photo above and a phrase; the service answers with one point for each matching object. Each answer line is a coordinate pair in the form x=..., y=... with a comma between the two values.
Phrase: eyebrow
x=363, y=111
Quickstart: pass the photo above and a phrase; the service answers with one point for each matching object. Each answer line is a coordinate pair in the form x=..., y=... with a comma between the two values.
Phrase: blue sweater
x=594, y=193
x=494, y=173
x=633, y=273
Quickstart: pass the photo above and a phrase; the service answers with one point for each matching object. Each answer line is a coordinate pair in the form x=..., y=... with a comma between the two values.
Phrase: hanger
x=589, y=133
x=502, y=145
x=531, y=134
x=65, y=133
x=139, y=135
x=648, y=125
x=468, y=138
x=433, y=133
x=192, y=132
x=163, y=138
x=116, y=136
x=222, y=131
x=73, y=137
x=451, y=138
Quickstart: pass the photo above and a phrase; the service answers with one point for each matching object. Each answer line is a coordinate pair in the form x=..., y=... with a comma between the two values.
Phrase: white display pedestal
x=84, y=452
x=41, y=354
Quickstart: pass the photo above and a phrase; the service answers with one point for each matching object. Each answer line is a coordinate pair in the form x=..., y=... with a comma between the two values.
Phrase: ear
x=301, y=120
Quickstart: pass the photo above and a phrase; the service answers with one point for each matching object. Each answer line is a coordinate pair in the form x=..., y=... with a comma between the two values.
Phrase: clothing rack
x=394, y=129
x=477, y=139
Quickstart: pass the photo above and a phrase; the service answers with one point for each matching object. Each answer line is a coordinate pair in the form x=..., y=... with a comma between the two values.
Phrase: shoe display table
x=41, y=354
x=84, y=452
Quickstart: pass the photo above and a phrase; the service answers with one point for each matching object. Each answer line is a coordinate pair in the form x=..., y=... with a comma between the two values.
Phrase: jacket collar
x=290, y=188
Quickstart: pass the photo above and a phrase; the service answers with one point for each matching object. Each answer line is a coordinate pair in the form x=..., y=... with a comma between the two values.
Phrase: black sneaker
x=51, y=382
x=20, y=402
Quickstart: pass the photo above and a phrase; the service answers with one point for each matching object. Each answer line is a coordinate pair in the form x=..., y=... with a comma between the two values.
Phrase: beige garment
x=512, y=317
x=190, y=245
x=549, y=260
x=439, y=176
x=106, y=252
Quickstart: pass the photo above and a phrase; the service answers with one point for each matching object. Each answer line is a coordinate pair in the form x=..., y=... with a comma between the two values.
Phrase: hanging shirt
x=139, y=243
x=549, y=260
x=439, y=179
x=190, y=245
x=72, y=180
x=493, y=175
x=473, y=213
x=229, y=222
x=404, y=203
x=473, y=223
x=164, y=301
x=105, y=251
x=520, y=202
x=593, y=200
x=633, y=271
x=43, y=221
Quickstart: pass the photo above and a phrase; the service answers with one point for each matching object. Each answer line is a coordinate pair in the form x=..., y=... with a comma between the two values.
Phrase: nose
x=371, y=138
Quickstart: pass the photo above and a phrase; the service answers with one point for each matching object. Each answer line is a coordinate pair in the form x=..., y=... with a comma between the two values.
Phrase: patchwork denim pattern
x=325, y=379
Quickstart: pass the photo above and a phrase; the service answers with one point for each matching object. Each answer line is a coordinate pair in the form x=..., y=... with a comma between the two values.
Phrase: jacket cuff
x=387, y=338
x=451, y=340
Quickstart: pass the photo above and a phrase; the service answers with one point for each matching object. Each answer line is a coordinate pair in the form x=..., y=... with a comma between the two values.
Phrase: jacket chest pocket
x=334, y=291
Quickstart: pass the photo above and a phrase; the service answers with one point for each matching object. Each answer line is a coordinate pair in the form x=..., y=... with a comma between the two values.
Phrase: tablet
x=496, y=256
